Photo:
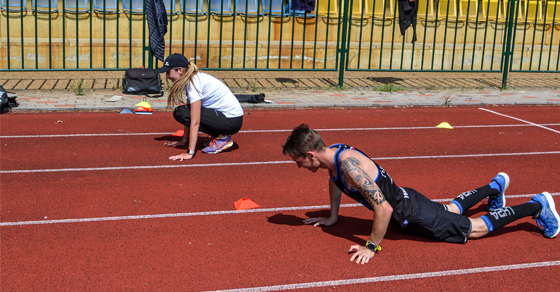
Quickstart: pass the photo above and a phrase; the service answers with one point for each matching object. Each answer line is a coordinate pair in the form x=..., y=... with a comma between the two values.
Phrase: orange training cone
x=179, y=133
x=143, y=111
x=244, y=204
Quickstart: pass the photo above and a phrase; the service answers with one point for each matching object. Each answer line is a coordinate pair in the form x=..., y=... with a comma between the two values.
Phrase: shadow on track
x=199, y=143
x=357, y=229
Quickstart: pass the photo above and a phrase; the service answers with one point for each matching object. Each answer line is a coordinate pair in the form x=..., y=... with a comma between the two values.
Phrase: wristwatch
x=191, y=152
x=372, y=246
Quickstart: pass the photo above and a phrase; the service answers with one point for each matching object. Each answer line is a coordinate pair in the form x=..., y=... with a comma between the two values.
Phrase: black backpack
x=142, y=81
x=7, y=100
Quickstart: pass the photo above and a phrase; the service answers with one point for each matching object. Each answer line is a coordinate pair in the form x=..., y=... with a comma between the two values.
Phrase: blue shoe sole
x=504, y=188
x=552, y=206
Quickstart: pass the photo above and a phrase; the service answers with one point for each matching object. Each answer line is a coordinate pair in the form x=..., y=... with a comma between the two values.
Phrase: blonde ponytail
x=175, y=95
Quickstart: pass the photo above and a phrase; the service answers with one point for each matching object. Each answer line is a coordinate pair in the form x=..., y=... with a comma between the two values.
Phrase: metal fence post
x=508, y=49
x=343, y=45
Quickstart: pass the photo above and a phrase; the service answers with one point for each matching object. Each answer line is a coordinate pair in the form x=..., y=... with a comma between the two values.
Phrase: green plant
x=253, y=85
x=342, y=88
x=447, y=101
x=79, y=89
x=389, y=87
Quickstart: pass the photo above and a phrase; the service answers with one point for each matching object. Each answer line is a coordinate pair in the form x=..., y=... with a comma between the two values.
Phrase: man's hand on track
x=362, y=254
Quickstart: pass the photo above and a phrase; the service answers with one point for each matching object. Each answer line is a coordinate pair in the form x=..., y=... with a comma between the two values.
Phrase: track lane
x=163, y=191
x=87, y=152
x=253, y=250
x=522, y=279
x=77, y=123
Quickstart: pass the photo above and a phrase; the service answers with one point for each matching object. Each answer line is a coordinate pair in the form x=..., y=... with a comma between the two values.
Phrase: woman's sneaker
x=548, y=218
x=499, y=201
x=218, y=145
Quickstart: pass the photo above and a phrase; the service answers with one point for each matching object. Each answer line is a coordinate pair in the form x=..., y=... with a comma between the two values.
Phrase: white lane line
x=518, y=119
x=270, y=131
x=398, y=277
x=144, y=167
x=268, y=162
x=207, y=213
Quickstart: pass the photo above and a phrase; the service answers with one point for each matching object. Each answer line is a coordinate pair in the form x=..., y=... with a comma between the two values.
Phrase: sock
x=468, y=199
x=503, y=216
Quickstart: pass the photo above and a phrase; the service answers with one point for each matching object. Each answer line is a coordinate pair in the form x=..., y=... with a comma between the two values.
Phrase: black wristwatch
x=372, y=246
x=191, y=152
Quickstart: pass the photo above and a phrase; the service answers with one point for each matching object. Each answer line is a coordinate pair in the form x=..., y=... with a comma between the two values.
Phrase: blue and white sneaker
x=499, y=201
x=548, y=218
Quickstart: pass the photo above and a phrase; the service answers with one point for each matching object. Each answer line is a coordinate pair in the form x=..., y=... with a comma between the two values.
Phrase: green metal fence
x=340, y=35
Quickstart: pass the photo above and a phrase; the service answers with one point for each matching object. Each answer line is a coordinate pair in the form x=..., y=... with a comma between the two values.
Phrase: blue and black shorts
x=432, y=220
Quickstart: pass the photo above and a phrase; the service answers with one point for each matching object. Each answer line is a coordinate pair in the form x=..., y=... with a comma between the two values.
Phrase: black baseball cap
x=173, y=61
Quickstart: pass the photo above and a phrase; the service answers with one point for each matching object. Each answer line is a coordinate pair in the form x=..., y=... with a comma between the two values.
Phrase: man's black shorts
x=434, y=221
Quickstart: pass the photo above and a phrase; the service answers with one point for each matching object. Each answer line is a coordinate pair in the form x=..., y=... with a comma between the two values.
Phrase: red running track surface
x=104, y=177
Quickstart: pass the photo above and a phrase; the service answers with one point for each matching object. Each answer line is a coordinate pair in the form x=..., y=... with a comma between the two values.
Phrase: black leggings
x=212, y=122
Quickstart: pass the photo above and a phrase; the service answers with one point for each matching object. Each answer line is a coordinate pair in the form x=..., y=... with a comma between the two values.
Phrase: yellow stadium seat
x=447, y=9
x=356, y=9
x=520, y=12
x=493, y=10
x=426, y=9
x=327, y=8
x=380, y=8
x=532, y=10
x=552, y=12
x=470, y=7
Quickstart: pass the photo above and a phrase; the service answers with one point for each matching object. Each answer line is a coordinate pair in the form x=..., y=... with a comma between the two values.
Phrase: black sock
x=468, y=199
x=506, y=215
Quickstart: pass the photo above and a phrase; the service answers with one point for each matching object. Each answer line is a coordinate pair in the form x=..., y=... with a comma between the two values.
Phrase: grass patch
x=447, y=102
x=389, y=87
x=79, y=89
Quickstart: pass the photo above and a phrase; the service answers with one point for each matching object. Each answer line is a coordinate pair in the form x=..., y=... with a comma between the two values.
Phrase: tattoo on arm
x=355, y=178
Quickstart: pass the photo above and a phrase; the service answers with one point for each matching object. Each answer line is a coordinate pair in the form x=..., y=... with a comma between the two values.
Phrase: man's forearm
x=378, y=231
x=335, y=197
x=380, y=225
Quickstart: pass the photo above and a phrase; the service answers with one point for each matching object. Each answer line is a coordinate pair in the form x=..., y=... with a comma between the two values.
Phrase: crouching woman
x=210, y=107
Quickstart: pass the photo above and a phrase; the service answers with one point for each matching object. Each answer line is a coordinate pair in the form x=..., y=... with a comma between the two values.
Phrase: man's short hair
x=302, y=140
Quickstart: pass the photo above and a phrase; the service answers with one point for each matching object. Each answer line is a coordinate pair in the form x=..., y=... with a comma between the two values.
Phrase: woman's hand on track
x=181, y=157
x=316, y=221
x=175, y=143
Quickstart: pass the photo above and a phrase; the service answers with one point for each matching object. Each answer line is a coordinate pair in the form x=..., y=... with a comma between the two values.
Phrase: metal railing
x=339, y=35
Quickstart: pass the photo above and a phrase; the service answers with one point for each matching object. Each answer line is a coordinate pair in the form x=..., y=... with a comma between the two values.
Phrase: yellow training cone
x=444, y=125
x=144, y=104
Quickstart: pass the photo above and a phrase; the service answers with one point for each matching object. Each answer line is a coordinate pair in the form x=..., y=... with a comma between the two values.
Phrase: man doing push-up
x=355, y=174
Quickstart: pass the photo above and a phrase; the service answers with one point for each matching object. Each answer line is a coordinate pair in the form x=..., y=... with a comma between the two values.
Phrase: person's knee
x=479, y=228
x=181, y=114
x=453, y=208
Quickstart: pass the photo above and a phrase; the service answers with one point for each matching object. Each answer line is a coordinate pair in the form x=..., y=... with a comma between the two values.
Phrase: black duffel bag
x=142, y=81
x=7, y=100
x=250, y=98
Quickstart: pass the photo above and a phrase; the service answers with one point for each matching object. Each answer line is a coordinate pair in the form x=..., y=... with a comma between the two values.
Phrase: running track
x=89, y=201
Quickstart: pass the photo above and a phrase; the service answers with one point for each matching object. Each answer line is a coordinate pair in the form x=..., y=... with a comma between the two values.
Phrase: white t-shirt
x=213, y=95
